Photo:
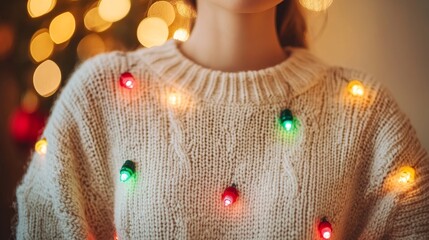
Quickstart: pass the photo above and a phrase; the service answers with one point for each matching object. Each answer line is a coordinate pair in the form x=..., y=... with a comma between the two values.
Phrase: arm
x=410, y=216
x=402, y=206
x=67, y=194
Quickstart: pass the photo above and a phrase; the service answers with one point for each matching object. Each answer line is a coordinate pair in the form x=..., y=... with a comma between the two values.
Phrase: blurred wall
x=386, y=38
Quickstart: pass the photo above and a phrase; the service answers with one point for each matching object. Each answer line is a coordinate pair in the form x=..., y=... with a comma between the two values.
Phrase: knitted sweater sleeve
x=66, y=193
x=396, y=145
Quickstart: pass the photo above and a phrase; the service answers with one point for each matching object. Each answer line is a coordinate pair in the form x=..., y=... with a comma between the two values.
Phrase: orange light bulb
x=174, y=99
x=406, y=175
x=356, y=88
x=41, y=147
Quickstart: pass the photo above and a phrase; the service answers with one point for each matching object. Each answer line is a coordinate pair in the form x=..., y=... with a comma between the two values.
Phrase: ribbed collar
x=293, y=76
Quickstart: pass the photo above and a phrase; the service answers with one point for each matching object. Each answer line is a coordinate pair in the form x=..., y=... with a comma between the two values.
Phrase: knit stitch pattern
x=339, y=161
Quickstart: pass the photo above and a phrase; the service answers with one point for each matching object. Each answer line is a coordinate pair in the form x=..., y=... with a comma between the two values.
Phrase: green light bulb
x=127, y=170
x=125, y=176
x=288, y=125
x=286, y=119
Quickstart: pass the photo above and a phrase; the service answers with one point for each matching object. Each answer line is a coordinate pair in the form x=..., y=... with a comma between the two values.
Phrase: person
x=240, y=132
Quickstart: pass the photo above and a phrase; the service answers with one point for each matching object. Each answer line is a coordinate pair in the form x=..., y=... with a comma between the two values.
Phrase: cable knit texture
x=218, y=129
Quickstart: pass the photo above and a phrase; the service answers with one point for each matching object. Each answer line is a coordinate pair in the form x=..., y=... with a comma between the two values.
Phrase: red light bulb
x=127, y=80
x=325, y=229
x=229, y=196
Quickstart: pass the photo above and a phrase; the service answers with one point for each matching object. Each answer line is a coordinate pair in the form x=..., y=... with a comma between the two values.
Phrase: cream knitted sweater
x=192, y=132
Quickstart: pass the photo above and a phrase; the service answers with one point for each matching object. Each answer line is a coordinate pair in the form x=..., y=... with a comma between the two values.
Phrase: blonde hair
x=290, y=23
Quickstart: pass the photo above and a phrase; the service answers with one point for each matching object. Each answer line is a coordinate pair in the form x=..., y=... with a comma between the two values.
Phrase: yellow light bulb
x=406, y=175
x=173, y=99
x=41, y=146
x=356, y=88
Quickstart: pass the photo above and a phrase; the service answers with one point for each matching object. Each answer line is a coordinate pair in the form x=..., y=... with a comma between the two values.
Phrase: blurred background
x=41, y=42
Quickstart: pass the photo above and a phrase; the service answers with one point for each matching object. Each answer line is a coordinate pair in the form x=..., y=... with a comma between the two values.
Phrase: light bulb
x=127, y=80
x=127, y=170
x=286, y=119
x=229, y=196
x=173, y=98
x=406, y=175
x=325, y=229
x=356, y=88
x=41, y=146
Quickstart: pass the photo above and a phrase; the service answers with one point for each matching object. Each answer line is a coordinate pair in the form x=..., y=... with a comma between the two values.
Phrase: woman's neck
x=231, y=41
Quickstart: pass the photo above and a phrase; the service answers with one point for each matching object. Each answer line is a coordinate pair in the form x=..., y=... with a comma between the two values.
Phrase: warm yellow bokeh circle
x=62, y=27
x=41, y=45
x=152, y=31
x=113, y=10
x=47, y=78
x=164, y=10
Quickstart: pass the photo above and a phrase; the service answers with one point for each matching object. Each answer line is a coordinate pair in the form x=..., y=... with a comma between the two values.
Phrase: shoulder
x=357, y=87
x=96, y=70
x=84, y=89
x=376, y=95
x=337, y=78
x=373, y=108
x=103, y=71
x=382, y=118
x=93, y=87
x=94, y=79
x=334, y=79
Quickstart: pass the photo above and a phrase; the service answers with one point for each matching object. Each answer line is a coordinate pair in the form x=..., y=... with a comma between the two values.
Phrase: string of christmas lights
x=404, y=177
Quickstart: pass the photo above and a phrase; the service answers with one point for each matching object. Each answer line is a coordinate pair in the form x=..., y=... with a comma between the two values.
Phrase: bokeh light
x=30, y=101
x=41, y=45
x=94, y=22
x=113, y=10
x=185, y=10
x=89, y=46
x=152, y=31
x=47, y=78
x=316, y=5
x=62, y=27
x=37, y=8
x=164, y=10
x=25, y=128
x=181, y=34
x=6, y=39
